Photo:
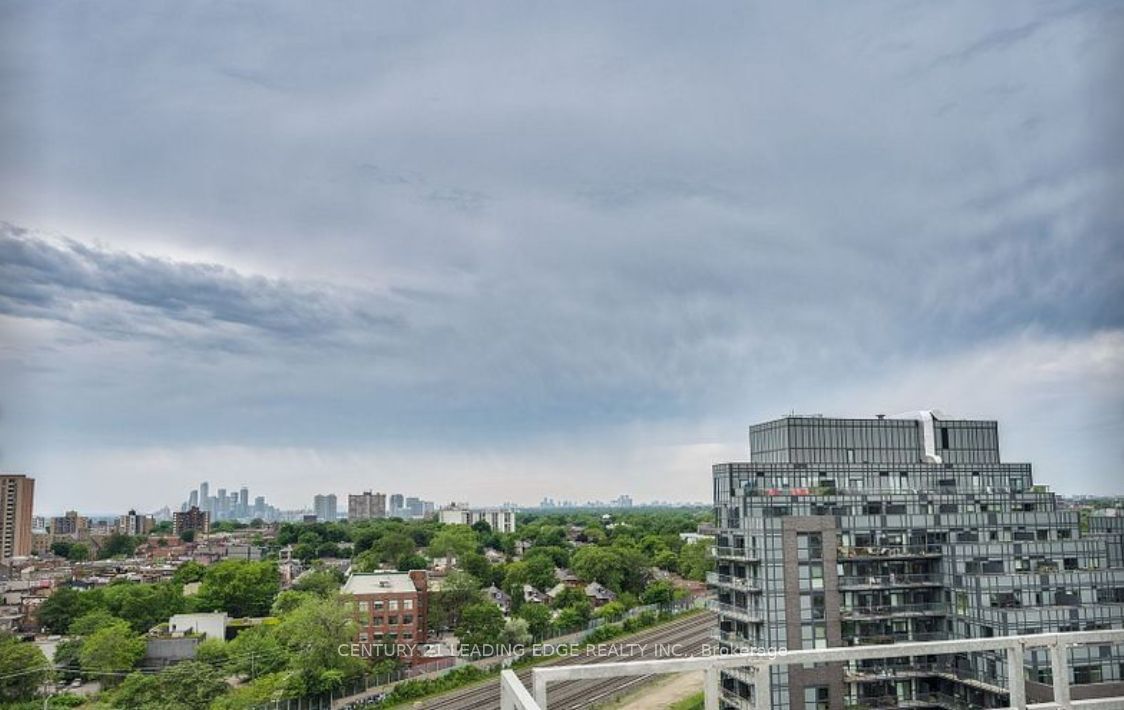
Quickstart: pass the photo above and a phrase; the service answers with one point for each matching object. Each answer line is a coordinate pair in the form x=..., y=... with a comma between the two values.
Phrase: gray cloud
x=79, y=284
x=395, y=223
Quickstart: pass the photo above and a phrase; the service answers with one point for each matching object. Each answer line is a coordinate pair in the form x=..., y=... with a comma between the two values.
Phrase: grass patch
x=694, y=702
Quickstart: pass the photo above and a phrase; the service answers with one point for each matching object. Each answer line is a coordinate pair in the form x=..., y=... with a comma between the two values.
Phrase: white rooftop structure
x=379, y=583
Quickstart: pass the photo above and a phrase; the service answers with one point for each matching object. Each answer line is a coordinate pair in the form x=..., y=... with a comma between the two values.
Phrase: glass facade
x=844, y=532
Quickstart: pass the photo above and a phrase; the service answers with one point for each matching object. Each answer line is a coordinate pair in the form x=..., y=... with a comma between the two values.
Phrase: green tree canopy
x=111, y=649
x=481, y=623
x=312, y=634
x=538, y=618
x=144, y=605
x=23, y=668
x=60, y=609
x=239, y=588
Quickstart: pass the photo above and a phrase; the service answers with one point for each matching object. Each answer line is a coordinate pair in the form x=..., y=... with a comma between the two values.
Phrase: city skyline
x=510, y=251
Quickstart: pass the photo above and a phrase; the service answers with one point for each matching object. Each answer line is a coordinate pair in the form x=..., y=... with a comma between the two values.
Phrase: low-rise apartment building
x=391, y=610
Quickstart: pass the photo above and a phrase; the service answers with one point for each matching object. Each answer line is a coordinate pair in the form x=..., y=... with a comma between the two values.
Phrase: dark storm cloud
x=54, y=280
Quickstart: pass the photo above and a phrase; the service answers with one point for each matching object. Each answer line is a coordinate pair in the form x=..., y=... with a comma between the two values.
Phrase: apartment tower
x=17, y=494
x=840, y=532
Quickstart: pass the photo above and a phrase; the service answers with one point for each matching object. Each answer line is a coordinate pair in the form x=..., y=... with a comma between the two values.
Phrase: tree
x=256, y=652
x=322, y=582
x=111, y=649
x=459, y=590
x=64, y=606
x=410, y=562
x=482, y=527
x=117, y=545
x=538, y=618
x=289, y=600
x=187, y=536
x=667, y=560
x=575, y=615
x=78, y=552
x=61, y=548
x=393, y=546
x=453, y=541
x=658, y=593
x=23, y=668
x=239, y=588
x=312, y=634
x=188, y=685
x=144, y=605
x=190, y=571
x=516, y=632
x=87, y=624
x=66, y=659
x=600, y=564
x=695, y=561
x=192, y=685
x=569, y=597
x=481, y=623
x=213, y=652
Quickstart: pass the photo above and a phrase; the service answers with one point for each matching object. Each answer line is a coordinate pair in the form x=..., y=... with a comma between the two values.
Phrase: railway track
x=691, y=633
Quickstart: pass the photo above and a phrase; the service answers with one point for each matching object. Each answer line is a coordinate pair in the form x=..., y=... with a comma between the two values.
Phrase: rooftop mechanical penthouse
x=846, y=532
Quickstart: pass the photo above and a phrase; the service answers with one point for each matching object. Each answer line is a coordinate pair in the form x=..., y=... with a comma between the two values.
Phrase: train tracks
x=687, y=636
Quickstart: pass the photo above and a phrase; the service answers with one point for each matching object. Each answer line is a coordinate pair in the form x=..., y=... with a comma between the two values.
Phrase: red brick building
x=391, y=608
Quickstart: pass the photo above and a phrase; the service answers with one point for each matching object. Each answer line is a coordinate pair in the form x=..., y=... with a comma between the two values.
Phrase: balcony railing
x=905, y=637
x=893, y=610
x=752, y=616
x=890, y=581
x=514, y=696
x=884, y=552
x=725, y=580
x=737, y=553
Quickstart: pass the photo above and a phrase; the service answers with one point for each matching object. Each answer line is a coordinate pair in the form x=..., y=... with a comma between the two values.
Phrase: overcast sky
x=495, y=251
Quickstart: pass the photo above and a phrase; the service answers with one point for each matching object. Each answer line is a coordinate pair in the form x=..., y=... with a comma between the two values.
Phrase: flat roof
x=379, y=583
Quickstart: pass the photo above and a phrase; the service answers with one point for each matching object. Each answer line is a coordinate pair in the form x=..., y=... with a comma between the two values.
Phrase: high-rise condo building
x=842, y=532
x=325, y=508
x=191, y=519
x=500, y=520
x=133, y=524
x=366, y=505
x=397, y=505
x=17, y=494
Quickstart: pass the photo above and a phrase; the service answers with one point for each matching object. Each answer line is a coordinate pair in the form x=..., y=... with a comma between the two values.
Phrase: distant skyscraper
x=193, y=499
x=204, y=493
x=397, y=504
x=17, y=493
x=325, y=507
x=366, y=505
x=244, y=502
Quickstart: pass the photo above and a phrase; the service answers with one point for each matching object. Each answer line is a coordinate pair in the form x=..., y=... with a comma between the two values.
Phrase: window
x=377, y=604
x=392, y=605
x=362, y=606
x=817, y=698
x=407, y=603
x=944, y=437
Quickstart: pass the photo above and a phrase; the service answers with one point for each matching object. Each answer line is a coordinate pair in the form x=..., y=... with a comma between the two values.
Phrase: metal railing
x=882, y=552
x=737, y=553
x=882, y=581
x=888, y=610
x=726, y=580
x=514, y=695
x=753, y=616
